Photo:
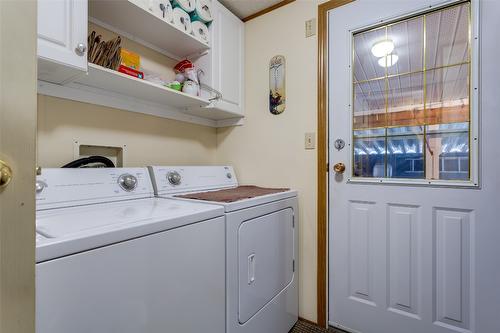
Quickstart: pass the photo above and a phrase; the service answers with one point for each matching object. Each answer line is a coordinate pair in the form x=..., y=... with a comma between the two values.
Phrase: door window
x=412, y=115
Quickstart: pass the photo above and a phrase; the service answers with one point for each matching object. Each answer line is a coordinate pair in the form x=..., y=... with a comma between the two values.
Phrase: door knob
x=5, y=174
x=339, y=167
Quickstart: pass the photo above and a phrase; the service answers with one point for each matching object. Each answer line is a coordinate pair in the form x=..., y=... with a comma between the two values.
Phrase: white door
x=17, y=150
x=62, y=38
x=414, y=228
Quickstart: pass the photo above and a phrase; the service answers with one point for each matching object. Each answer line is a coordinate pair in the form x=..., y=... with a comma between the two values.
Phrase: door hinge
x=293, y=265
x=293, y=222
x=327, y=166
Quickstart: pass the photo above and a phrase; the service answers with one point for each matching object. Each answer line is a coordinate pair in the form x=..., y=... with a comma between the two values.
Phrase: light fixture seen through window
x=383, y=48
x=388, y=61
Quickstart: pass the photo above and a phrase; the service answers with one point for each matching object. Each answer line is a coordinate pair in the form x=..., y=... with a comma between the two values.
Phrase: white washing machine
x=112, y=258
x=262, y=244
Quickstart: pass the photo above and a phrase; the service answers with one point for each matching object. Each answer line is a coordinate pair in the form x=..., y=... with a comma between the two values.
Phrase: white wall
x=149, y=140
x=268, y=149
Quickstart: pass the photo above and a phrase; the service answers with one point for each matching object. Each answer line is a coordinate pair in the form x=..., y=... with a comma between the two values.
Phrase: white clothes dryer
x=261, y=238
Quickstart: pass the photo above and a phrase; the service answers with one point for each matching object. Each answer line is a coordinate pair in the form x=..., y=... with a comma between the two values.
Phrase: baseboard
x=308, y=321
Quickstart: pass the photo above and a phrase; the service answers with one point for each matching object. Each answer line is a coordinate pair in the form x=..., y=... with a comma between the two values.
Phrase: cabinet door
x=227, y=46
x=62, y=26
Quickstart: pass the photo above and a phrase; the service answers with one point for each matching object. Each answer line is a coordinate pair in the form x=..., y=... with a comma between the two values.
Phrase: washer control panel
x=71, y=187
x=175, y=179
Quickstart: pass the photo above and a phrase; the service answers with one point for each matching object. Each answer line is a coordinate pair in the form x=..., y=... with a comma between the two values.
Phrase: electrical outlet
x=311, y=27
x=310, y=141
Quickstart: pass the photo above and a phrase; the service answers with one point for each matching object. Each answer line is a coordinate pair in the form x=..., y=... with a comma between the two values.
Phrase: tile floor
x=304, y=327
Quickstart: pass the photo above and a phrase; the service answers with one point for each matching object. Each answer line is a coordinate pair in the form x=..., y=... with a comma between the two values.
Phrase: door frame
x=322, y=164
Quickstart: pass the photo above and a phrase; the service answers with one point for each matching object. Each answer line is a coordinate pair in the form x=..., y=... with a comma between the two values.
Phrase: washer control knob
x=229, y=175
x=39, y=186
x=127, y=182
x=174, y=178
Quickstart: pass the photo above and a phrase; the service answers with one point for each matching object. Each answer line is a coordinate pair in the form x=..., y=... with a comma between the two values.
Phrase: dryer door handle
x=251, y=268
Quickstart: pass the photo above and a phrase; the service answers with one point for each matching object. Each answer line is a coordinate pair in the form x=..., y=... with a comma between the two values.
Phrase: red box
x=131, y=72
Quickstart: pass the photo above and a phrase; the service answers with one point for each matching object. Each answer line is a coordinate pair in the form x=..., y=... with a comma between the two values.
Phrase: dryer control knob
x=229, y=175
x=127, y=182
x=174, y=178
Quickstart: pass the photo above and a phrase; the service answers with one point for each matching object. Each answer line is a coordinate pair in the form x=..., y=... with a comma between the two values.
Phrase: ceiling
x=245, y=8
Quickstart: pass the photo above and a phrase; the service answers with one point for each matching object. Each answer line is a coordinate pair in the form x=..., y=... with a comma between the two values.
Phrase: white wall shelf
x=110, y=88
x=114, y=81
x=138, y=22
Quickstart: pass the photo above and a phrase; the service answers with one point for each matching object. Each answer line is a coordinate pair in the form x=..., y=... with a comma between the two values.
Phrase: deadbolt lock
x=339, y=167
x=5, y=174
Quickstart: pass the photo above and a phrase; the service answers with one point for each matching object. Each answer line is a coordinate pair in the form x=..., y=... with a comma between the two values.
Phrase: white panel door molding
x=360, y=259
x=453, y=270
x=414, y=256
x=403, y=264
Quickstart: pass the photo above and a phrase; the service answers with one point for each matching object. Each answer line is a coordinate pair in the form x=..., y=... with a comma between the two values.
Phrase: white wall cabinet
x=62, y=39
x=224, y=65
x=64, y=72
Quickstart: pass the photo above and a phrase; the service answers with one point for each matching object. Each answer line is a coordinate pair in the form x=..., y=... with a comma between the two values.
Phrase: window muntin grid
x=404, y=116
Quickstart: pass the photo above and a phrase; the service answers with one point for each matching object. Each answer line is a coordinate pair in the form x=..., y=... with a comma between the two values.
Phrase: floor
x=304, y=327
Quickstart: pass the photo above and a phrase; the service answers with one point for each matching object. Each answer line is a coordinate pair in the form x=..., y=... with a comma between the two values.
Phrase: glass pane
x=447, y=36
x=369, y=133
x=452, y=127
x=369, y=157
x=406, y=100
x=411, y=112
x=405, y=130
x=408, y=39
x=447, y=95
x=369, y=104
x=364, y=62
x=405, y=156
x=447, y=152
x=464, y=164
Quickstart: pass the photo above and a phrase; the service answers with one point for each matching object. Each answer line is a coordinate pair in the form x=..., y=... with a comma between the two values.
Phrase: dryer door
x=265, y=260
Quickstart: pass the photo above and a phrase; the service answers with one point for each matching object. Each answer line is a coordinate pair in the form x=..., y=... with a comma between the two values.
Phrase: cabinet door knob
x=5, y=174
x=80, y=49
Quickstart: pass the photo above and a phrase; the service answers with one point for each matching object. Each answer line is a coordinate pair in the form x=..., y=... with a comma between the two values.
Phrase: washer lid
x=75, y=229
